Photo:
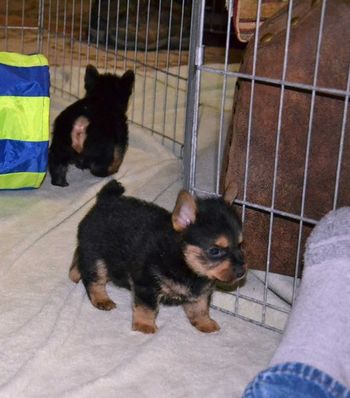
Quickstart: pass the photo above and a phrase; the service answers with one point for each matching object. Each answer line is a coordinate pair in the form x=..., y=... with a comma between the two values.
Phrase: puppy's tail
x=111, y=190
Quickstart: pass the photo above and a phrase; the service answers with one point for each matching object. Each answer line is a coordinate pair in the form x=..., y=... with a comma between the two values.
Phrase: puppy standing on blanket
x=161, y=257
x=92, y=133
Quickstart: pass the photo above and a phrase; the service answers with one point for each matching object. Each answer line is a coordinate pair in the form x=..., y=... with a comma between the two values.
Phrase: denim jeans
x=295, y=380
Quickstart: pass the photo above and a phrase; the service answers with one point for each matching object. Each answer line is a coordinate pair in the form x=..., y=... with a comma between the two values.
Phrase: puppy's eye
x=216, y=252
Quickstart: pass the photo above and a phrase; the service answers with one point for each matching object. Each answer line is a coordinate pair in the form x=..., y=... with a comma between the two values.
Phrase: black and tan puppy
x=92, y=133
x=161, y=257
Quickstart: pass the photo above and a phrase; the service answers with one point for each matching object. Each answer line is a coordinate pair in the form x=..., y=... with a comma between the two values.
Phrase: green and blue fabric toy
x=24, y=120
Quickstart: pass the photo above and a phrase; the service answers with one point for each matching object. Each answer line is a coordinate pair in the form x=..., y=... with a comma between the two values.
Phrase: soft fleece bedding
x=53, y=343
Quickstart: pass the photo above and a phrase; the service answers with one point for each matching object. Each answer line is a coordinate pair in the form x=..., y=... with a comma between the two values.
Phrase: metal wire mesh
x=263, y=301
x=150, y=37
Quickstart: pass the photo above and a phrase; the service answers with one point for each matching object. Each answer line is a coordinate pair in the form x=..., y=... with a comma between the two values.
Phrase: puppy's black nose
x=240, y=271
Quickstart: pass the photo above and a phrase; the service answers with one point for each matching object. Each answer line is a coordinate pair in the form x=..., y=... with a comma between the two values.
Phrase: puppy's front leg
x=58, y=173
x=198, y=314
x=145, y=309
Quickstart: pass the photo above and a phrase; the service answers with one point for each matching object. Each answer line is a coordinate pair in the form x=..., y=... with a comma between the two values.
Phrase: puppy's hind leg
x=95, y=286
x=74, y=273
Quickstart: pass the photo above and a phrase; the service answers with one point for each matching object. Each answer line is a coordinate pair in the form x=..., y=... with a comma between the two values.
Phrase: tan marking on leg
x=117, y=160
x=222, y=242
x=97, y=290
x=198, y=314
x=74, y=273
x=78, y=133
x=144, y=319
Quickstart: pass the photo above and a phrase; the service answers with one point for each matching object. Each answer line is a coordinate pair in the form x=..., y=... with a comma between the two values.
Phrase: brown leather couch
x=325, y=139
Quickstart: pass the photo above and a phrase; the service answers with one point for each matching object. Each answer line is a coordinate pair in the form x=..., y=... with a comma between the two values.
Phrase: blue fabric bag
x=24, y=120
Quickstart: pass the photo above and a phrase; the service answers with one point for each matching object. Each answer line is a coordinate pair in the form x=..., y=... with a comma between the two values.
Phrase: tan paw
x=207, y=326
x=144, y=327
x=105, y=305
x=74, y=274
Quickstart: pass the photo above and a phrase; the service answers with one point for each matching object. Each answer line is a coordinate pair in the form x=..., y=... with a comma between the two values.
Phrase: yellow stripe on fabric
x=21, y=60
x=21, y=180
x=24, y=118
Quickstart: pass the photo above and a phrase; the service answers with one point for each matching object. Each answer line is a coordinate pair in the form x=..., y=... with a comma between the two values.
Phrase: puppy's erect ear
x=230, y=193
x=126, y=86
x=128, y=80
x=91, y=75
x=184, y=212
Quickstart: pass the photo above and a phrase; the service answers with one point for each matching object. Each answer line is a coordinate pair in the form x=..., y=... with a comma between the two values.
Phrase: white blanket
x=54, y=343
